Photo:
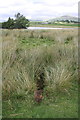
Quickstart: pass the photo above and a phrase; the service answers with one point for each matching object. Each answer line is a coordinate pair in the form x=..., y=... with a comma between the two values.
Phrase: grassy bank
x=28, y=53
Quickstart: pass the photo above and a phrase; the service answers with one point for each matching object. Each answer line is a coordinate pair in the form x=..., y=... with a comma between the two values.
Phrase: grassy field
x=26, y=54
x=68, y=25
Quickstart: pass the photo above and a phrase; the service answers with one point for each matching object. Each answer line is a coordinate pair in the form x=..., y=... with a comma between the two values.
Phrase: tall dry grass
x=21, y=66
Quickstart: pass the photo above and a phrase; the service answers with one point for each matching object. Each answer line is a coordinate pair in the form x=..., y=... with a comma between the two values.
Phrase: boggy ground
x=25, y=55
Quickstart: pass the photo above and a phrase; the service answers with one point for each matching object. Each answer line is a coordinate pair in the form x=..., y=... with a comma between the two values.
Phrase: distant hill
x=35, y=20
x=63, y=18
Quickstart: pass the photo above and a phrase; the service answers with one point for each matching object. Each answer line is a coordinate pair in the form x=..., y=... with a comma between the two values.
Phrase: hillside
x=63, y=18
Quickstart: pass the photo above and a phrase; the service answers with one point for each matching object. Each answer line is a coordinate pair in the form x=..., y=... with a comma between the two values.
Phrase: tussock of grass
x=20, y=66
x=28, y=53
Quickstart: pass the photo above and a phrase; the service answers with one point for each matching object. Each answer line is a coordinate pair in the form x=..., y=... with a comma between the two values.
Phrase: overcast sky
x=38, y=9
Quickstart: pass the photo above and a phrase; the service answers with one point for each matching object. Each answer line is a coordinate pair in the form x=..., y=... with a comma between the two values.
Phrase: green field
x=33, y=24
x=26, y=54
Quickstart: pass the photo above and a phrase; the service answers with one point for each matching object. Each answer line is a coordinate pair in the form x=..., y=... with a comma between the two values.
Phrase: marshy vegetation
x=40, y=59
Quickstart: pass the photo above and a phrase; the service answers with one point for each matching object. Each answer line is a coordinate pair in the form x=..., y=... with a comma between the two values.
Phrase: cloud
x=38, y=8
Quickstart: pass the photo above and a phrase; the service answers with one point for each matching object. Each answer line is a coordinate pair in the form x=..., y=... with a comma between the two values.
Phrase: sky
x=38, y=9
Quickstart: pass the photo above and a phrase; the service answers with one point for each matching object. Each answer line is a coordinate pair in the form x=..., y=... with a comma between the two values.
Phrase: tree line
x=18, y=23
